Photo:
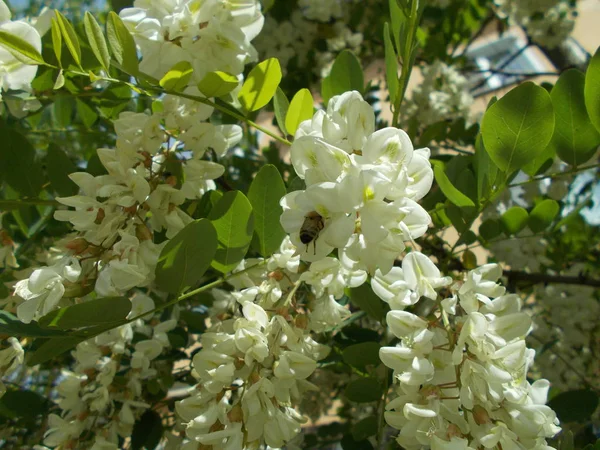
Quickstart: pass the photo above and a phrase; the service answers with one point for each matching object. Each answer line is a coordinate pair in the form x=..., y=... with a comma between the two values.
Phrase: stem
x=16, y=204
x=555, y=175
x=406, y=61
x=381, y=419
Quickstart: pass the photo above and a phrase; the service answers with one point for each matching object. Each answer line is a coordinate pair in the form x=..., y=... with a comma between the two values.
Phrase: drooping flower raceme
x=211, y=35
x=364, y=184
x=462, y=377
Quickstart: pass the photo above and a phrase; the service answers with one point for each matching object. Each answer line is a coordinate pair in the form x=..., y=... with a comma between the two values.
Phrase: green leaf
x=121, y=44
x=86, y=113
x=391, y=64
x=364, y=390
x=542, y=216
x=365, y=428
x=114, y=310
x=21, y=49
x=260, y=85
x=56, y=40
x=485, y=169
x=326, y=89
x=217, y=84
x=12, y=326
x=449, y=190
x=281, y=105
x=398, y=21
x=346, y=75
x=60, y=80
x=147, y=431
x=514, y=220
x=575, y=138
x=490, y=229
x=96, y=40
x=52, y=348
x=264, y=195
x=592, y=89
x=59, y=167
x=186, y=257
x=178, y=77
x=21, y=404
x=17, y=163
x=574, y=406
x=195, y=321
x=233, y=219
x=300, y=109
x=518, y=127
x=364, y=297
x=69, y=36
x=362, y=355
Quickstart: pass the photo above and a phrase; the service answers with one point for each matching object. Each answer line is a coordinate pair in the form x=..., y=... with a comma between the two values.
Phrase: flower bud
x=480, y=415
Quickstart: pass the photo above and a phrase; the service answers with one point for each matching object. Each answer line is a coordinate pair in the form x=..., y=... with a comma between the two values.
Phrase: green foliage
x=217, y=84
x=299, y=110
x=18, y=163
x=260, y=85
x=449, y=190
x=12, y=326
x=362, y=355
x=96, y=40
x=391, y=64
x=69, y=37
x=234, y=222
x=21, y=404
x=281, y=105
x=575, y=138
x=364, y=390
x=20, y=49
x=346, y=75
x=178, y=77
x=186, y=257
x=82, y=315
x=574, y=406
x=121, y=44
x=542, y=216
x=59, y=166
x=264, y=195
x=147, y=431
x=514, y=220
x=365, y=428
x=364, y=297
x=592, y=90
x=518, y=127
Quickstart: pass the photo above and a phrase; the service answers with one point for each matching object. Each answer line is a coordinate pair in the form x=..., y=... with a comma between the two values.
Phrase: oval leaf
x=346, y=74
x=575, y=138
x=178, y=77
x=20, y=49
x=518, y=127
x=364, y=390
x=449, y=190
x=17, y=163
x=300, y=109
x=217, y=84
x=264, y=194
x=391, y=64
x=364, y=297
x=114, y=310
x=592, y=90
x=362, y=355
x=121, y=44
x=542, y=216
x=69, y=36
x=96, y=40
x=233, y=219
x=574, y=406
x=59, y=167
x=260, y=85
x=56, y=40
x=514, y=220
x=186, y=257
x=281, y=105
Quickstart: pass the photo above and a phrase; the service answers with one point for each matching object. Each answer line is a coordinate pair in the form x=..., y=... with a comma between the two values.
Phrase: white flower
x=14, y=74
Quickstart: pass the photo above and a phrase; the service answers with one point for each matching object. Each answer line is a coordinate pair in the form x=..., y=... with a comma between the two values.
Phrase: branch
x=581, y=279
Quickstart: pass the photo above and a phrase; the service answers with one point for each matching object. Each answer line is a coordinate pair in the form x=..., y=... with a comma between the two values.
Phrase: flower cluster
x=462, y=375
x=441, y=95
x=548, y=22
x=211, y=35
x=362, y=187
x=101, y=398
x=258, y=353
x=11, y=359
x=116, y=214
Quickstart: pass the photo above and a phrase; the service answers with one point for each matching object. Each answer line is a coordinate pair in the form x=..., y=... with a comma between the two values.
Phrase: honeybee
x=310, y=229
